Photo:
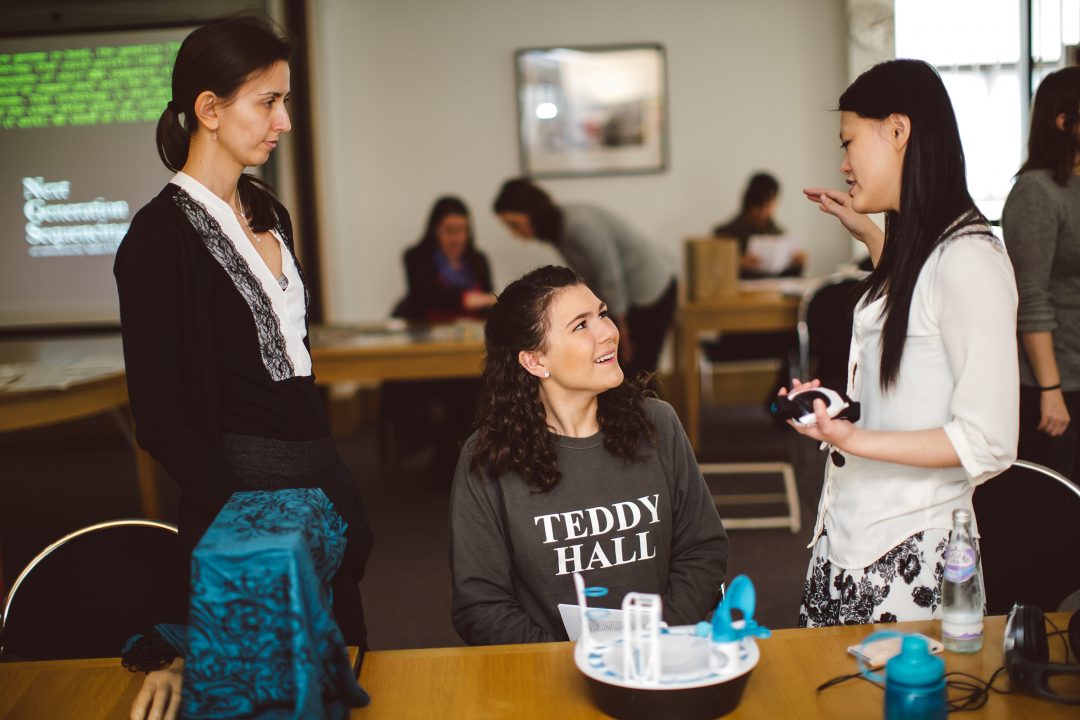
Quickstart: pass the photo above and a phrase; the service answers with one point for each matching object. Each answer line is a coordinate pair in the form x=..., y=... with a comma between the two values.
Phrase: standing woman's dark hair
x=444, y=206
x=221, y=56
x=523, y=196
x=513, y=431
x=933, y=192
x=1051, y=147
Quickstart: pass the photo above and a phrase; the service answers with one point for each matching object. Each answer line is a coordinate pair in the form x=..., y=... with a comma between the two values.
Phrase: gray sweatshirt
x=643, y=527
x=621, y=266
x=1041, y=222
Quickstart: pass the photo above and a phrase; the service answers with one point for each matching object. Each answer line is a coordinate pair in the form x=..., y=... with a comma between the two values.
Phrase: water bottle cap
x=914, y=665
x=960, y=516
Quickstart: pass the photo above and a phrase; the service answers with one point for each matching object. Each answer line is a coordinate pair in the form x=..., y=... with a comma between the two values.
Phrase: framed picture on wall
x=592, y=110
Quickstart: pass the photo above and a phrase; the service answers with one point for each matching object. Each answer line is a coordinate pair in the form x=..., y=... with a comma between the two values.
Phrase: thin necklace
x=243, y=218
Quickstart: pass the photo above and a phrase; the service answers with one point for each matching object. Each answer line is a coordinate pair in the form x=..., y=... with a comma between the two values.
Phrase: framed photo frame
x=592, y=110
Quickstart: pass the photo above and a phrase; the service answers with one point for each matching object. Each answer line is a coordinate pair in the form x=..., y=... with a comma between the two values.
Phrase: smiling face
x=873, y=160
x=580, y=350
x=253, y=120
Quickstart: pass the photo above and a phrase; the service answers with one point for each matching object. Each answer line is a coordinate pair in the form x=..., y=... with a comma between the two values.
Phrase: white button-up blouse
x=959, y=372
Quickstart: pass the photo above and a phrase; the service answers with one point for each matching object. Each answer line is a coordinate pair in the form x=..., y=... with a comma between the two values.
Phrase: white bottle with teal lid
x=961, y=590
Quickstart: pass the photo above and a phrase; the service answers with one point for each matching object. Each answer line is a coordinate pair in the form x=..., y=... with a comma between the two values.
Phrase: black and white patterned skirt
x=904, y=584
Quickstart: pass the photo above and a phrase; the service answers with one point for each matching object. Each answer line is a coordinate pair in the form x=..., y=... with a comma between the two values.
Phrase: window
x=980, y=48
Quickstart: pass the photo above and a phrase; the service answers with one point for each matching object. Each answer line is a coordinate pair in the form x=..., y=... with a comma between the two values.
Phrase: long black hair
x=760, y=189
x=933, y=192
x=513, y=433
x=446, y=205
x=1050, y=147
x=221, y=56
x=524, y=196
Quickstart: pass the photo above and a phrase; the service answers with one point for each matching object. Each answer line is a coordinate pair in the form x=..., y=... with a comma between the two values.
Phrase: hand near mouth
x=838, y=204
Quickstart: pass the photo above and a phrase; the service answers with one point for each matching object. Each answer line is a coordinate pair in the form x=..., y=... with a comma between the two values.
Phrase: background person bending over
x=756, y=218
x=633, y=276
x=572, y=470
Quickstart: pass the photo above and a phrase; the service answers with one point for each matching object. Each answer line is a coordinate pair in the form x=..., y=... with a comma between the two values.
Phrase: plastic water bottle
x=915, y=683
x=961, y=590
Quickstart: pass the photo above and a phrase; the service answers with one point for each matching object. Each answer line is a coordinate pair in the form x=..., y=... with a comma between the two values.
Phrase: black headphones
x=1027, y=653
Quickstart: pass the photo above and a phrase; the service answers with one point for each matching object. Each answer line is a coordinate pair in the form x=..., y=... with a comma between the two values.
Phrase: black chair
x=825, y=318
x=85, y=594
x=1029, y=527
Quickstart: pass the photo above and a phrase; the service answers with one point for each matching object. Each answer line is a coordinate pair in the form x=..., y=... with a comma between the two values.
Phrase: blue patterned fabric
x=262, y=641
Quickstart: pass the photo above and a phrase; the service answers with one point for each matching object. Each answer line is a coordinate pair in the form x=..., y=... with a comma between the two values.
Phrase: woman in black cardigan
x=448, y=278
x=213, y=310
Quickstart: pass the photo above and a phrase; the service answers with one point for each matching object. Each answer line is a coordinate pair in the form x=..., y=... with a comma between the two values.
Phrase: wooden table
x=349, y=354
x=339, y=354
x=541, y=681
x=747, y=312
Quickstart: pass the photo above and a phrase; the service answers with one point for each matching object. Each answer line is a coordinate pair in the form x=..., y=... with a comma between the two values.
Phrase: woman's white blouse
x=290, y=304
x=959, y=372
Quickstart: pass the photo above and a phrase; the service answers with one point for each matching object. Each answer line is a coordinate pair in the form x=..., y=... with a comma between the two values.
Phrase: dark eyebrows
x=584, y=315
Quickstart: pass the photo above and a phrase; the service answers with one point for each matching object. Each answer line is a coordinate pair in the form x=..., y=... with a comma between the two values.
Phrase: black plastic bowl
x=695, y=703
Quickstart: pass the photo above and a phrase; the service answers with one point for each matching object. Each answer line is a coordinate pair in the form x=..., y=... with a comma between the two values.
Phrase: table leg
x=145, y=468
x=149, y=497
x=687, y=363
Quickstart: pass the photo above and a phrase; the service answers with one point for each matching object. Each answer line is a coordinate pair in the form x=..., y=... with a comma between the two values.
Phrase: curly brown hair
x=513, y=433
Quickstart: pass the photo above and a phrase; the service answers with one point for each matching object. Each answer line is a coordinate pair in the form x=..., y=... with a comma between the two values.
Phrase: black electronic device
x=798, y=406
x=1027, y=653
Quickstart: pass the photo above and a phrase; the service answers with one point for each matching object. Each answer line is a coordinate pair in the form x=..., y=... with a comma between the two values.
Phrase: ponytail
x=172, y=138
x=220, y=56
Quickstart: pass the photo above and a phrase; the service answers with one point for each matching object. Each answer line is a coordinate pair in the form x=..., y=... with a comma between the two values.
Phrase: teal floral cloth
x=262, y=641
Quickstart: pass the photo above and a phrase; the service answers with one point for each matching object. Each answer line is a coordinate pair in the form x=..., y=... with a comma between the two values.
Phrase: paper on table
x=774, y=251
x=880, y=651
x=571, y=618
x=24, y=377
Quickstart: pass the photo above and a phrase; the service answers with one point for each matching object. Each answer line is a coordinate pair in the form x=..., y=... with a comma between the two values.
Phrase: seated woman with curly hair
x=572, y=469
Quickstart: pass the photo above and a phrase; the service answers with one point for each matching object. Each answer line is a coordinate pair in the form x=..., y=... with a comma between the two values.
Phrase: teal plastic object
x=740, y=596
x=914, y=680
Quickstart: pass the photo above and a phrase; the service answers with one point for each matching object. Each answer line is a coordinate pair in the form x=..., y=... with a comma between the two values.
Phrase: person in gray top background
x=633, y=276
x=572, y=469
x=1041, y=222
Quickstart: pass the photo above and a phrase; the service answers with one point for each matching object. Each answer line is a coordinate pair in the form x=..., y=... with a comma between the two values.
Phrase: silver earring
x=547, y=374
x=213, y=135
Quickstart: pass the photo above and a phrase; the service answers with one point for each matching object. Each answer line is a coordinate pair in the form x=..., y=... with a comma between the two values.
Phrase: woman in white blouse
x=933, y=357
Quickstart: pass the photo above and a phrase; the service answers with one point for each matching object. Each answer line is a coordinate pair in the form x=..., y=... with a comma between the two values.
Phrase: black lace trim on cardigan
x=267, y=325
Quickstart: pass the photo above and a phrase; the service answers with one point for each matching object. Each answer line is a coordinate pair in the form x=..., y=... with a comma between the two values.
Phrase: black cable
x=975, y=691
x=1058, y=631
x=844, y=678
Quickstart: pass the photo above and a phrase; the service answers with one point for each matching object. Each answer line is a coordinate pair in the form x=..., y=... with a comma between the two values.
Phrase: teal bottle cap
x=915, y=665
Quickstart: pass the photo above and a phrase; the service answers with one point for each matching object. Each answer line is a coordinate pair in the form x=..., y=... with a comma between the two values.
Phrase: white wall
x=416, y=98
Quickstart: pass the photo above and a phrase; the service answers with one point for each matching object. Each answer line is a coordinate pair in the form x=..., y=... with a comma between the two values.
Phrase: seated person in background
x=572, y=469
x=448, y=278
x=756, y=218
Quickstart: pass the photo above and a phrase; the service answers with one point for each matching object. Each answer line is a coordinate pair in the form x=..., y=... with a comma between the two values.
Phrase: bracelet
x=1048, y=388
